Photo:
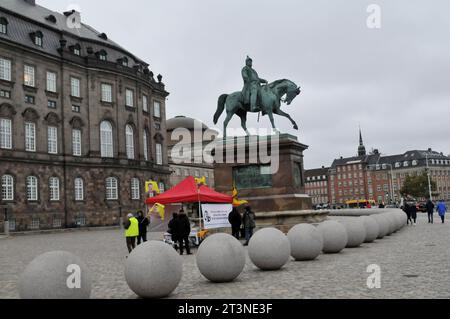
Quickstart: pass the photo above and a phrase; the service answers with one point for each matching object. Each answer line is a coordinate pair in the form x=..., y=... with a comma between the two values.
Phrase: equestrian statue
x=257, y=96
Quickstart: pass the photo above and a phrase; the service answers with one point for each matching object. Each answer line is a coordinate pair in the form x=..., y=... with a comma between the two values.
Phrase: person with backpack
x=183, y=230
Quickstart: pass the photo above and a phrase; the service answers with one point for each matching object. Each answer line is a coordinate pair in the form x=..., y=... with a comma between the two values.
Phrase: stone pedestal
x=268, y=172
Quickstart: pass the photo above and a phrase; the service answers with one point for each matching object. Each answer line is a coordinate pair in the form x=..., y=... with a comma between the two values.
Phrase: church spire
x=361, y=148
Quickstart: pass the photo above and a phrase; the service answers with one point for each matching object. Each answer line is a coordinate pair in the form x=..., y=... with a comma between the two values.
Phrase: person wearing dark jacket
x=143, y=224
x=183, y=230
x=413, y=214
x=173, y=229
x=249, y=224
x=430, y=211
x=235, y=220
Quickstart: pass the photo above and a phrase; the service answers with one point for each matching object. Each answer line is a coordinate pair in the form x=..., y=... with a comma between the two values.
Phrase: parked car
x=422, y=207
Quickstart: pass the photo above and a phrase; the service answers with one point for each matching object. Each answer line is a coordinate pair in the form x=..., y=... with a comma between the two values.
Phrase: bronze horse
x=269, y=101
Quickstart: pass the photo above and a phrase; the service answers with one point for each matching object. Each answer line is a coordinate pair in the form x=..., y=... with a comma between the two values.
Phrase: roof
x=188, y=192
x=317, y=172
x=367, y=159
x=38, y=15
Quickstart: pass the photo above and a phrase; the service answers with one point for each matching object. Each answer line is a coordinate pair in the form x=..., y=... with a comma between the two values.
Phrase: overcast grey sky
x=393, y=81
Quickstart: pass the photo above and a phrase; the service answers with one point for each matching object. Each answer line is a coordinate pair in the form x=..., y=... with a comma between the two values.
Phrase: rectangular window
x=52, y=138
x=5, y=134
x=129, y=98
x=75, y=87
x=51, y=82
x=12, y=225
x=81, y=221
x=32, y=188
x=111, y=189
x=145, y=141
x=28, y=75
x=145, y=103
x=51, y=104
x=30, y=137
x=5, y=69
x=76, y=51
x=30, y=99
x=76, y=142
x=35, y=224
x=107, y=93
x=79, y=189
x=159, y=155
x=5, y=94
x=3, y=28
x=57, y=223
x=54, y=189
x=38, y=41
x=157, y=109
x=135, y=189
x=76, y=108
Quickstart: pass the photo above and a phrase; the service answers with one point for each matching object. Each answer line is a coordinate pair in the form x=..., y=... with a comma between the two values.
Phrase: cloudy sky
x=393, y=81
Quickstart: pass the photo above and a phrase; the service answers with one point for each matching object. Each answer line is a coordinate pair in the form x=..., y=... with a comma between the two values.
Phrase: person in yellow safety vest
x=131, y=226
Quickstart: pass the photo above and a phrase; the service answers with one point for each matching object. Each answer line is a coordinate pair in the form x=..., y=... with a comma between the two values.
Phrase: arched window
x=32, y=188
x=3, y=25
x=129, y=139
x=112, y=188
x=106, y=140
x=145, y=141
x=79, y=189
x=7, y=187
x=135, y=189
x=54, y=188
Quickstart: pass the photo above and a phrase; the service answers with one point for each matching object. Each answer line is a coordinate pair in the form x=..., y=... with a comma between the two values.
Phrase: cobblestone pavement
x=414, y=264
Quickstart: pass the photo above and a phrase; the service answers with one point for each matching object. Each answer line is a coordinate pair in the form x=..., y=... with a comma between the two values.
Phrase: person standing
x=183, y=228
x=131, y=226
x=442, y=209
x=173, y=230
x=143, y=224
x=249, y=224
x=430, y=210
x=413, y=214
x=235, y=220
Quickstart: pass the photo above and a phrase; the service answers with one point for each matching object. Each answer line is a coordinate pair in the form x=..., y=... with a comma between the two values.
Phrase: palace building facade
x=82, y=122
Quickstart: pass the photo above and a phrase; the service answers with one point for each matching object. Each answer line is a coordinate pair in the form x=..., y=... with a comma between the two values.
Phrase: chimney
x=31, y=2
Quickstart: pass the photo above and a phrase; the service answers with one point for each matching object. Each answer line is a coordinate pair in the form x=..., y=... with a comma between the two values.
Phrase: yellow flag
x=152, y=186
x=201, y=181
x=236, y=201
x=161, y=211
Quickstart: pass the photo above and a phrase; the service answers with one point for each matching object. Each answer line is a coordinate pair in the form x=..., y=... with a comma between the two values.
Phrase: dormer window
x=102, y=55
x=51, y=18
x=125, y=61
x=37, y=38
x=3, y=26
x=76, y=49
x=103, y=36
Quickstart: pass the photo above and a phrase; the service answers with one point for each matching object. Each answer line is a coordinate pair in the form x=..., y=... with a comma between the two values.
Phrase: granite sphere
x=306, y=242
x=383, y=224
x=334, y=236
x=372, y=228
x=153, y=270
x=392, y=222
x=56, y=275
x=269, y=249
x=221, y=258
x=356, y=232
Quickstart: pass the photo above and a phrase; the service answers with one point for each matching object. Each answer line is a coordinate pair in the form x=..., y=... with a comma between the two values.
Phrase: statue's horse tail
x=220, y=107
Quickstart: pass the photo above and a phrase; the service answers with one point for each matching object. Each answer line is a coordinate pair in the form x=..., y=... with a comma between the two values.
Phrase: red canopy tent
x=188, y=192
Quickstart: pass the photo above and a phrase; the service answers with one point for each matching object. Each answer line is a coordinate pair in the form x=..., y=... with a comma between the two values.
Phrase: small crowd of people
x=180, y=229
x=410, y=208
x=242, y=226
x=136, y=229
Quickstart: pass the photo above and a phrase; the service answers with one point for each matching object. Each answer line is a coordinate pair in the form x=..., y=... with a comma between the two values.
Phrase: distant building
x=381, y=178
x=195, y=164
x=317, y=185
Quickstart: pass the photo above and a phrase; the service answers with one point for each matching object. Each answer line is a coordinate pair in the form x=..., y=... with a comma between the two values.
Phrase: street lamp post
x=392, y=182
x=429, y=178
